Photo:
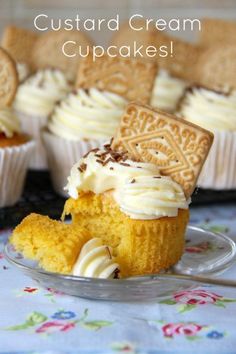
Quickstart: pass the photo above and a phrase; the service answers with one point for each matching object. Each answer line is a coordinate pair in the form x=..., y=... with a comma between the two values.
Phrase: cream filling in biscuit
x=209, y=109
x=167, y=91
x=87, y=115
x=39, y=93
x=138, y=188
x=95, y=261
x=9, y=124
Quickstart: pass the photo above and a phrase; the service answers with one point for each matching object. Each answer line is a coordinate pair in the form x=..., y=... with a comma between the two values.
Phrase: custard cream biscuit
x=8, y=79
x=48, y=51
x=19, y=43
x=128, y=77
x=177, y=147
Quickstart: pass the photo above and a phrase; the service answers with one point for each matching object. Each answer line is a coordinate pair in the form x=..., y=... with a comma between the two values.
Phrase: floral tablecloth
x=37, y=320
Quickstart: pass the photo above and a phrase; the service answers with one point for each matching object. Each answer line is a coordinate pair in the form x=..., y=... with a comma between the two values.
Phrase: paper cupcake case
x=32, y=125
x=14, y=162
x=62, y=155
x=219, y=170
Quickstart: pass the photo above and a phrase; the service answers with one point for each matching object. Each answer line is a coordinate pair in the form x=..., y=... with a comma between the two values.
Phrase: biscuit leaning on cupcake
x=130, y=196
x=90, y=115
x=15, y=147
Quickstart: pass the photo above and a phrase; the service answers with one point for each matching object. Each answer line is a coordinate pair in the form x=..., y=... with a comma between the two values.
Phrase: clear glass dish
x=206, y=254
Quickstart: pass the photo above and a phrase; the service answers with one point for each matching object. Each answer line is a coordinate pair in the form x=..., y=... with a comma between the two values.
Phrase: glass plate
x=206, y=253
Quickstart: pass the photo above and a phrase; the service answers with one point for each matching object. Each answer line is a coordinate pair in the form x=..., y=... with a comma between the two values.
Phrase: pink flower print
x=55, y=292
x=186, y=329
x=55, y=326
x=28, y=289
x=199, y=248
x=196, y=297
x=1, y=255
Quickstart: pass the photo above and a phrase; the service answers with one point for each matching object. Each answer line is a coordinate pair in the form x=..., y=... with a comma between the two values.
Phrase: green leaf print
x=96, y=325
x=168, y=302
x=185, y=308
x=33, y=319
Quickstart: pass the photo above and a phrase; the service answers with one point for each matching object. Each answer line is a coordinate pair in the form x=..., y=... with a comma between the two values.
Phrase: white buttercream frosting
x=95, y=261
x=39, y=93
x=210, y=109
x=138, y=188
x=87, y=115
x=9, y=124
x=23, y=71
x=167, y=91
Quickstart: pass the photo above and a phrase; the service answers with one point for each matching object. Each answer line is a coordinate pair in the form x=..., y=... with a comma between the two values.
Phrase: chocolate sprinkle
x=108, y=250
x=82, y=167
x=133, y=181
x=116, y=273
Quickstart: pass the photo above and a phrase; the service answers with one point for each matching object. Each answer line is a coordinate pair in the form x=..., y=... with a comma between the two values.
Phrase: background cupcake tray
x=39, y=197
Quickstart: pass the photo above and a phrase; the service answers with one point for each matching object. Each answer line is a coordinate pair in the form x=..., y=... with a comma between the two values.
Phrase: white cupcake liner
x=32, y=125
x=219, y=170
x=14, y=162
x=62, y=155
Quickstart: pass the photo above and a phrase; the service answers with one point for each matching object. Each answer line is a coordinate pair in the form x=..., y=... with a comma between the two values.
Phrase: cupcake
x=34, y=102
x=85, y=119
x=129, y=215
x=131, y=207
x=15, y=152
x=215, y=111
x=167, y=91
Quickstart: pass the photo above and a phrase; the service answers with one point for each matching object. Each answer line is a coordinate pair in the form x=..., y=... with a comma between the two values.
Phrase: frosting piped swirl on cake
x=40, y=92
x=95, y=261
x=9, y=124
x=91, y=114
x=209, y=109
x=167, y=91
x=137, y=187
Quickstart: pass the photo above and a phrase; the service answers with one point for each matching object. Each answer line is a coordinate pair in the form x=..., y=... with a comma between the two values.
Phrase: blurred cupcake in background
x=19, y=43
x=89, y=116
x=15, y=147
x=213, y=106
x=176, y=72
x=84, y=120
x=167, y=91
x=34, y=102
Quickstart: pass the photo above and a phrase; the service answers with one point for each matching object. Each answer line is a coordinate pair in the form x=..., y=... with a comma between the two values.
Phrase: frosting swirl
x=138, y=188
x=40, y=92
x=87, y=115
x=210, y=109
x=9, y=124
x=95, y=261
x=23, y=71
x=167, y=91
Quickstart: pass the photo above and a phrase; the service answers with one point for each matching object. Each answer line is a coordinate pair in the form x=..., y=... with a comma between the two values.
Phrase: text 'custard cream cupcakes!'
x=85, y=119
x=35, y=100
x=215, y=111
